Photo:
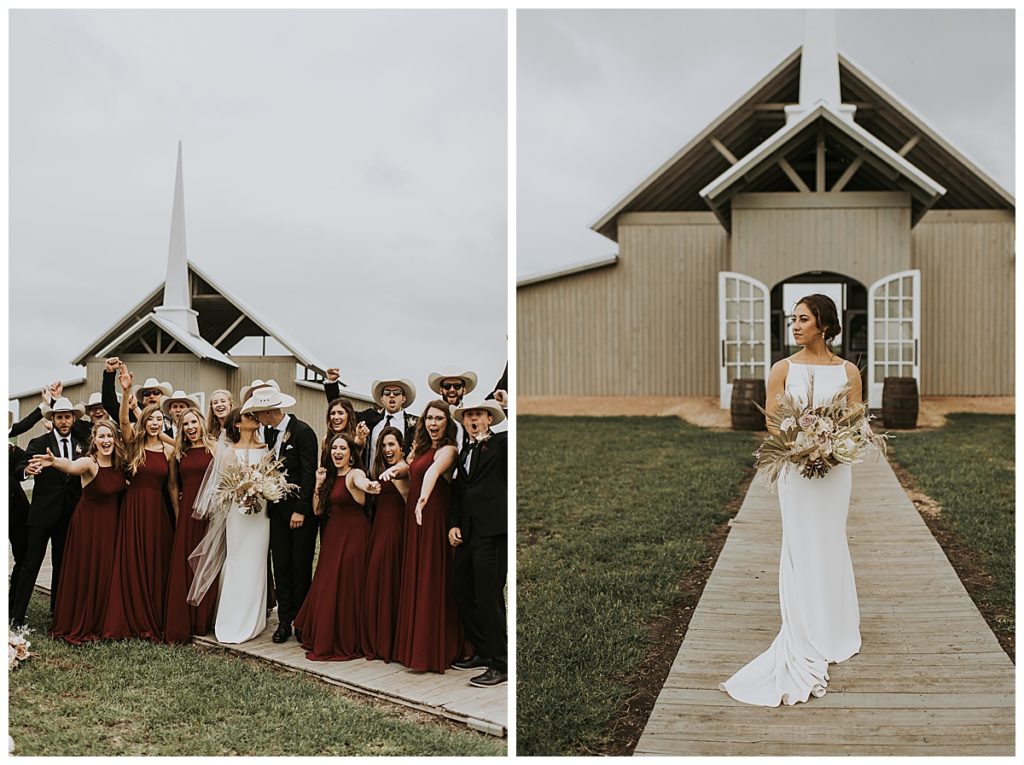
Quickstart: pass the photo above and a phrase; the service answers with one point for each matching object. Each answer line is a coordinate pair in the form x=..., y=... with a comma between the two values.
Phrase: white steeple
x=819, y=67
x=177, y=304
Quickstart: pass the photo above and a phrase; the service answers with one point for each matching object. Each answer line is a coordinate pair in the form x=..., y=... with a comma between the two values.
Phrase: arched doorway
x=851, y=298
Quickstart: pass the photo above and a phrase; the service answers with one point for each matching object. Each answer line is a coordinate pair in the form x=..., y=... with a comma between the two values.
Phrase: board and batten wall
x=864, y=235
x=967, y=264
x=646, y=326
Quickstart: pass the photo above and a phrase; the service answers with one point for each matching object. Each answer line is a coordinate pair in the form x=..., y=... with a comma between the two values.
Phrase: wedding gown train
x=817, y=592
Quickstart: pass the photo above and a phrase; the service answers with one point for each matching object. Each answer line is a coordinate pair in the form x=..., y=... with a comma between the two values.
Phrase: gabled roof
x=223, y=321
x=924, y=191
x=572, y=268
x=197, y=345
x=759, y=113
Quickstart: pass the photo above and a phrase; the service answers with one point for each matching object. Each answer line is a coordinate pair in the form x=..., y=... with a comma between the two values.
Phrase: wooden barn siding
x=646, y=326
x=967, y=264
x=775, y=238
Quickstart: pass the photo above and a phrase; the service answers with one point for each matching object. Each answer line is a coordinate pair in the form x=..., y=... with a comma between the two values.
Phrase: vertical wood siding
x=967, y=305
x=646, y=326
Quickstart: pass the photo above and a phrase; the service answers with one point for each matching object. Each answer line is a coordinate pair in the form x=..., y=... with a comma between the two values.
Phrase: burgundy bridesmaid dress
x=331, y=617
x=84, y=587
x=142, y=557
x=384, y=574
x=182, y=620
x=428, y=633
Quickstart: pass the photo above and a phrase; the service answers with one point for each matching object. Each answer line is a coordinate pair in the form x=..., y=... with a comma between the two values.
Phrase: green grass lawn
x=967, y=467
x=612, y=514
x=136, y=698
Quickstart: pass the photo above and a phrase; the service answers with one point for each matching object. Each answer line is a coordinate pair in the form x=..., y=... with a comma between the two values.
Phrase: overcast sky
x=606, y=97
x=344, y=171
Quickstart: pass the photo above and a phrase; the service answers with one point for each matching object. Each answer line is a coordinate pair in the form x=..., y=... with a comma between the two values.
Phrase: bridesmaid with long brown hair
x=84, y=587
x=221, y=402
x=330, y=620
x=428, y=634
x=194, y=451
x=384, y=561
x=143, y=553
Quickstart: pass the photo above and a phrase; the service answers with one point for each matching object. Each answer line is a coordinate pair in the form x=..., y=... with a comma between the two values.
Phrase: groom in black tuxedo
x=478, y=530
x=292, y=522
x=54, y=496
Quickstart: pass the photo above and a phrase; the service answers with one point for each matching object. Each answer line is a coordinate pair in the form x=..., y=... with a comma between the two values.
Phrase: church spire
x=819, y=67
x=177, y=303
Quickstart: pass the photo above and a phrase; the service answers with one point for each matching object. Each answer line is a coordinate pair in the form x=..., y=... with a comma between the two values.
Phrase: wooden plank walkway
x=449, y=695
x=931, y=678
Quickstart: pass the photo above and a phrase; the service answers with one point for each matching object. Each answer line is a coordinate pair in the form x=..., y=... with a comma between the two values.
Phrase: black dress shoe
x=282, y=633
x=298, y=635
x=473, y=662
x=490, y=678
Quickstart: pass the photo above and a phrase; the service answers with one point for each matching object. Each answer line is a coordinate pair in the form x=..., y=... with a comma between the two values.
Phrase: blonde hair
x=182, y=443
x=120, y=454
x=137, y=446
x=213, y=426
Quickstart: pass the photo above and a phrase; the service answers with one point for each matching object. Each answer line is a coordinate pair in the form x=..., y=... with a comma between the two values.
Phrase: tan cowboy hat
x=152, y=382
x=267, y=398
x=468, y=380
x=178, y=395
x=487, y=404
x=256, y=384
x=62, y=405
x=406, y=385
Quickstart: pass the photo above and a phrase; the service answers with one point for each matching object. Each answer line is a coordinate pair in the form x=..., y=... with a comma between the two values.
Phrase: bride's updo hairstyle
x=234, y=435
x=825, y=314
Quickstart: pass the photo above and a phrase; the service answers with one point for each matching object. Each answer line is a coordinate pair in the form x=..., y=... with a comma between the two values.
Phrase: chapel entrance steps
x=931, y=678
x=449, y=695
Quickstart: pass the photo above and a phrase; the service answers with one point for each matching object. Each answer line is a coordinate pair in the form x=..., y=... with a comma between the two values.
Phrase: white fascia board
x=569, y=270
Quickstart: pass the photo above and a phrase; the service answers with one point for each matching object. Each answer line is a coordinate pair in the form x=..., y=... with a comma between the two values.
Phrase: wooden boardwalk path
x=449, y=695
x=931, y=678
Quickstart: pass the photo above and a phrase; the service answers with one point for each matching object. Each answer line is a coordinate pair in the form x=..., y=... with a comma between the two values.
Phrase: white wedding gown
x=242, y=603
x=817, y=592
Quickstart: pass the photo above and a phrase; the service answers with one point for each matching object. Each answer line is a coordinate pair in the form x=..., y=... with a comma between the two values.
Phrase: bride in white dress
x=817, y=592
x=236, y=544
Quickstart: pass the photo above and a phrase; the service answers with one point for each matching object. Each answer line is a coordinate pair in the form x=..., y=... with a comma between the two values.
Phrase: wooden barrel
x=745, y=392
x=900, y=402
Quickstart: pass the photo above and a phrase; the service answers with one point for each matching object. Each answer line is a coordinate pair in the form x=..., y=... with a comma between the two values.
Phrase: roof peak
x=819, y=68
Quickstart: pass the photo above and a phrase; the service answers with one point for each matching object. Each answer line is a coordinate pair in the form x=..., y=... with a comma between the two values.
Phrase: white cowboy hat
x=178, y=395
x=487, y=404
x=266, y=398
x=152, y=382
x=406, y=385
x=256, y=384
x=61, y=405
x=468, y=380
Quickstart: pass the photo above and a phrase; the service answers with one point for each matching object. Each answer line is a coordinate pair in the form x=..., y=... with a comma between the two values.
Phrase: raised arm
x=331, y=387
x=108, y=393
x=125, y=379
x=81, y=466
x=444, y=458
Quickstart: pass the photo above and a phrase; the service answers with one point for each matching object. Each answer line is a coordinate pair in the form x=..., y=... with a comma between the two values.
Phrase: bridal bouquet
x=17, y=648
x=815, y=439
x=252, y=486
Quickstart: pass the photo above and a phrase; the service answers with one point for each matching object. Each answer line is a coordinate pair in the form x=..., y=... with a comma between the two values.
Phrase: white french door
x=744, y=331
x=894, y=331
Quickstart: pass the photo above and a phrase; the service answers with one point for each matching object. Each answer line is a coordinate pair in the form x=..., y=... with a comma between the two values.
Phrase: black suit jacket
x=502, y=384
x=17, y=502
x=54, y=494
x=480, y=497
x=372, y=416
x=25, y=424
x=299, y=454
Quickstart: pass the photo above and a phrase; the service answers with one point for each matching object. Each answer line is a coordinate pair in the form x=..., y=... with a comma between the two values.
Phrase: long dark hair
x=350, y=423
x=421, y=438
x=825, y=314
x=234, y=435
x=379, y=464
x=332, y=472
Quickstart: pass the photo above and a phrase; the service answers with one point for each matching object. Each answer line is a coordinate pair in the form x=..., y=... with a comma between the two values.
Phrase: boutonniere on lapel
x=78, y=449
x=482, y=440
x=287, y=435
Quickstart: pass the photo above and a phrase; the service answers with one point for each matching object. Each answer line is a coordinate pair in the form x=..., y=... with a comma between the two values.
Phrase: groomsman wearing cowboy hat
x=478, y=530
x=54, y=496
x=174, y=406
x=151, y=391
x=395, y=394
x=292, y=523
x=452, y=387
